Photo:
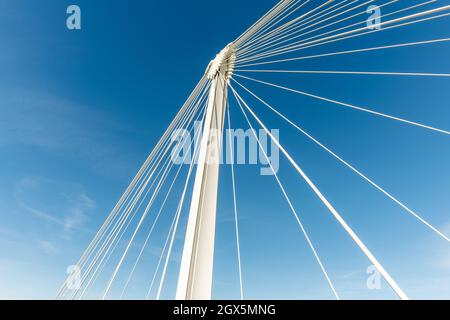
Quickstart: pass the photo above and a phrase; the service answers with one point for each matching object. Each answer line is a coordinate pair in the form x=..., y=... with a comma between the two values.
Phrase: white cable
x=333, y=211
x=283, y=14
x=294, y=212
x=133, y=237
x=414, y=74
x=351, y=34
x=156, y=220
x=180, y=206
x=348, y=26
x=354, y=24
x=275, y=40
x=267, y=30
x=126, y=194
x=300, y=17
x=236, y=224
x=348, y=105
x=169, y=234
x=264, y=20
x=126, y=223
x=119, y=225
x=414, y=214
x=401, y=45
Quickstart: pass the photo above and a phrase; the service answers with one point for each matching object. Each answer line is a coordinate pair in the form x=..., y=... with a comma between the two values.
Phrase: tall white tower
x=195, y=278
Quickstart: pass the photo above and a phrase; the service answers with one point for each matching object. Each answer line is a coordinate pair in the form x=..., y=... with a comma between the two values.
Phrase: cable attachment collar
x=223, y=62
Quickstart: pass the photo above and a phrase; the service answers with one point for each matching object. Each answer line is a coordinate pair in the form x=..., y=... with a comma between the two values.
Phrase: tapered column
x=195, y=279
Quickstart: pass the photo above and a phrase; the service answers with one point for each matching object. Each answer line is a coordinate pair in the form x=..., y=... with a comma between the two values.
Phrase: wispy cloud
x=72, y=207
x=48, y=247
x=42, y=215
x=77, y=216
x=64, y=127
x=351, y=275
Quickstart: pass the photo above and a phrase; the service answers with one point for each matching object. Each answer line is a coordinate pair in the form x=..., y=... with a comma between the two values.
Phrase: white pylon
x=195, y=278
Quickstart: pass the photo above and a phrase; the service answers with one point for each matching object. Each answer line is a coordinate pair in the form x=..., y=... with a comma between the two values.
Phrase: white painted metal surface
x=195, y=278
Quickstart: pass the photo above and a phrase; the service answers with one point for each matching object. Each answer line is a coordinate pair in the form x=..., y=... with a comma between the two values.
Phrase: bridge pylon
x=195, y=277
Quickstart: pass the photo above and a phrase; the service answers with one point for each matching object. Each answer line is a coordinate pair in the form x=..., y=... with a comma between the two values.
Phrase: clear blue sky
x=80, y=111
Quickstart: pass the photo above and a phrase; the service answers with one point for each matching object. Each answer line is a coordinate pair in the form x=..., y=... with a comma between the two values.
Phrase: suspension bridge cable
x=302, y=45
x=127, y=213
x=294, y=212
x=125, y=195
x=292, y=32
x=252, y=30
x=125, y=223
x=106, y=255
x=264, y=26
x=169, y=234
x=155, y=152
x=283, y=14
x=149, y=174
x=275, y=39
x=309, y=42
x=401, y=45
x=357, y=23
x=175, y=219
x=271, y=42
x=257, y=38
x=278, y=30
x=146, y=242
x=351, y=34
x=372, y=73
x=236, y=223
x=178, y=213
x=158, y=215
x=330, y=207
x=347, y=105
x=348, y=26
x=374, y=184
x=300, y=17
x=141, y=221
x=255, y=27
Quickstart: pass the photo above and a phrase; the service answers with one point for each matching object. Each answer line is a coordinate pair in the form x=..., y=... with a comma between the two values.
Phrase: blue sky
x=80, y=111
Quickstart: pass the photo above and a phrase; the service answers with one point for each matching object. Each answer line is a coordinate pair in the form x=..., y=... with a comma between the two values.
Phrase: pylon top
x=224, y=61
